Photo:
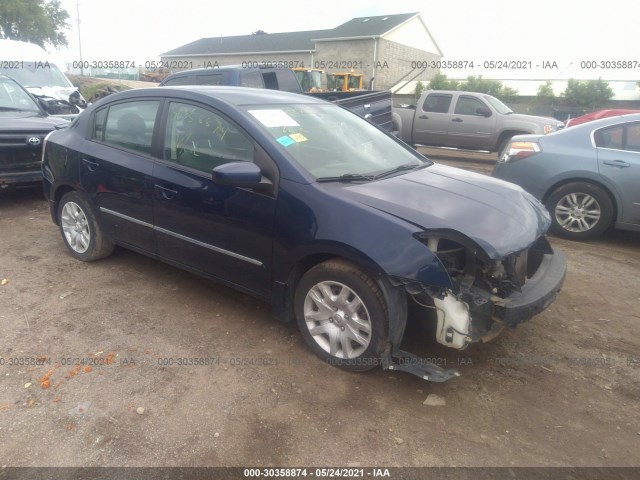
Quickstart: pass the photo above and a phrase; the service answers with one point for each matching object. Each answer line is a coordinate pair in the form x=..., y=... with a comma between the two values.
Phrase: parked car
x=32, y=67
x=307, y=206
x=466, y=120
x=587, y=175
x=23, y=127
x=612, y=112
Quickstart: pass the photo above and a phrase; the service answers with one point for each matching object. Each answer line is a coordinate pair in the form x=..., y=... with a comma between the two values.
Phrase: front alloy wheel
x=342, y=315
x=337, y=319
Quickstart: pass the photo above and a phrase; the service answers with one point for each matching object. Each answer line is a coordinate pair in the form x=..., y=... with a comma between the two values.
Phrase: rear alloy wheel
x=80, y=229
x=342, y=315
x=580, y=211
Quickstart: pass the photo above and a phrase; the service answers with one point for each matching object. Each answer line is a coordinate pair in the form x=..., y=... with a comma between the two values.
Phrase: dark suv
x=23, y=126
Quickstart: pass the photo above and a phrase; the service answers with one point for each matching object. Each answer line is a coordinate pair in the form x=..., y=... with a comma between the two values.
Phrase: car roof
x=227, y=94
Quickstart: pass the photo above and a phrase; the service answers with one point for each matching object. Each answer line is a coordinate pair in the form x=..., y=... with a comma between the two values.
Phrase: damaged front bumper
x=477, y=311
x=537, y=294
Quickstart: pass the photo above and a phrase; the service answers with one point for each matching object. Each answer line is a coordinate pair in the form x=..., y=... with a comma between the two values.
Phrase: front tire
x=342, y=315
x=80, y=229
x=580, y=211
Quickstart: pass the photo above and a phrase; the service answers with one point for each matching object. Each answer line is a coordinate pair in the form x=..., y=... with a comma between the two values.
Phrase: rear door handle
x=91, y=166
x=457, y=120
x=166, y=193
x=423, y=117
x=616, y=163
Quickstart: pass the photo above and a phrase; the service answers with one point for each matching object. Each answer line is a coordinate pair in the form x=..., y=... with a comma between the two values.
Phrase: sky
x=567, y=32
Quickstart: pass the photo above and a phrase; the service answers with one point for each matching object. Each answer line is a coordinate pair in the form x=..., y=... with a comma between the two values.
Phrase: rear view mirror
x=484, y=111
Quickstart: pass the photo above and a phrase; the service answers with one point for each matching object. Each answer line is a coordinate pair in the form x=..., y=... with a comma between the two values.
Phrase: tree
x=37, y=21
x=419, y=89
x=441, y=82
x=545, y=93
x=259, y=32
x=592, y=94
x=491, y=87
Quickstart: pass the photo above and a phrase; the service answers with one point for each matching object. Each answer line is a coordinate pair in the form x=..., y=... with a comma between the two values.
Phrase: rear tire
x=342, y=315
x=80, y=229
x=580, y=211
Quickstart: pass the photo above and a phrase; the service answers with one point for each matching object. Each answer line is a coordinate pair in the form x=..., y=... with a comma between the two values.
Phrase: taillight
x=520, y=150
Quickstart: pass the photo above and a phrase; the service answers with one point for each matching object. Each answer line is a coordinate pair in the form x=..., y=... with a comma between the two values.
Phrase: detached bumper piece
x=420, y=367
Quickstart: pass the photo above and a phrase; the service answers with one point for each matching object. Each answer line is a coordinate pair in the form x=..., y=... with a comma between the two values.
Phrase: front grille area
x=20, y=138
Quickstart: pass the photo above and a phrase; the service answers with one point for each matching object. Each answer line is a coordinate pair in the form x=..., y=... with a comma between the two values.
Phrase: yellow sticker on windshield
x=298, y=137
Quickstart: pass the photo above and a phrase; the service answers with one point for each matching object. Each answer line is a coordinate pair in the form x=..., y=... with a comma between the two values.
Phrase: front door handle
x=166, y=193
x=457, y=120
x=616, y=163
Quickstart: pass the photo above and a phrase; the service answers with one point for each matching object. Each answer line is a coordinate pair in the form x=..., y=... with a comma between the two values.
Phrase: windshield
x=37, y=74
x=12, y=97
x=309, y=79
x=332, y=143
x=498, y=105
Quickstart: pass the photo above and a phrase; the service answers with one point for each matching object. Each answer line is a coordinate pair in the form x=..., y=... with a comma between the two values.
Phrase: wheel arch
x=59, y=192
x=284, y=291
x=506, y=135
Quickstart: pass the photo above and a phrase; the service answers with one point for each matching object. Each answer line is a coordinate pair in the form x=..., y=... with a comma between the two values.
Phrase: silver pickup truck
x=467, y=120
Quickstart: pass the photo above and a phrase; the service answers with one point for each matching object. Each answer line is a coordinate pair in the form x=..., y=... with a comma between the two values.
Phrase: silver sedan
x=587, y=176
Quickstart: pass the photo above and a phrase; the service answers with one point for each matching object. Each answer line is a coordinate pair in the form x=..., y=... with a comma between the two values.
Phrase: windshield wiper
x=401, y=168
x=12, y=109
x=348, y=177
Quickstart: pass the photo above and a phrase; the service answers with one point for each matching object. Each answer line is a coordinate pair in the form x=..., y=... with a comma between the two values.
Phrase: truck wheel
x=80, y=229
x=580, y=211
x=342, y=315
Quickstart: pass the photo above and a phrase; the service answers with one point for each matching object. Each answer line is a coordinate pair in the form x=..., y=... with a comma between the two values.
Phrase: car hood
x=59, y=93
x=21, y=121
x=499, y=216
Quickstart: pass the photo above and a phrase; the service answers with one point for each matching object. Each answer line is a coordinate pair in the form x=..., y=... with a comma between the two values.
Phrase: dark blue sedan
x=305, y=205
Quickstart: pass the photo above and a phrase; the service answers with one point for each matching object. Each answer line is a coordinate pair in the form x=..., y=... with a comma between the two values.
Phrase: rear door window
x=130, y=125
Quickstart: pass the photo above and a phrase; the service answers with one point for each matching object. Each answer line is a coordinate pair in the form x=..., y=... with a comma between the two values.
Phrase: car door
x=618, y=149
x=432, y=120
x=116, y=167
x=468, y=128
x=219, y=230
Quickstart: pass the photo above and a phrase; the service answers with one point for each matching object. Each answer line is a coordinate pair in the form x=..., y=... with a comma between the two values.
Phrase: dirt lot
x=108, y=388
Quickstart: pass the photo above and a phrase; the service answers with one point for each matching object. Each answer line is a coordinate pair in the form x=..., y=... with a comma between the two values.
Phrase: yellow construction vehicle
x=310, y=79
x=344, y=82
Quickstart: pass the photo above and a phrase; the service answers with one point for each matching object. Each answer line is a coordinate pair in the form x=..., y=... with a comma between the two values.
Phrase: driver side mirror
x=483, y=111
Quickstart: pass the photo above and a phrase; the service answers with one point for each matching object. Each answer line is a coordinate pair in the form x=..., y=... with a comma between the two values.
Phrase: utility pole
x=79, y=39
